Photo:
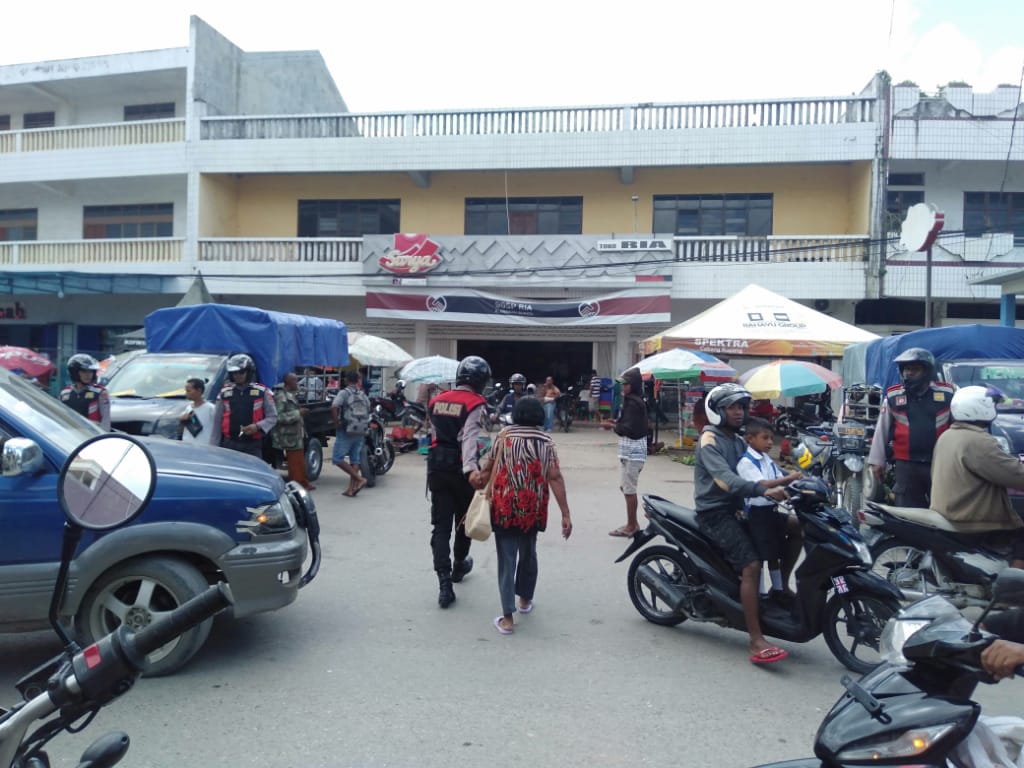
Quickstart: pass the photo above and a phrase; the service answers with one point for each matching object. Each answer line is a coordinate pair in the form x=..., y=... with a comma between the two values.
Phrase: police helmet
x=919, y=356
x=79, y=363
x=721, y=397
x=473, y=371
x=516, y=378
x=240, y=363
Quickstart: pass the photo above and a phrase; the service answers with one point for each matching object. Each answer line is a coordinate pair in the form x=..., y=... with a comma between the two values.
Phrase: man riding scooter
x=718, y=496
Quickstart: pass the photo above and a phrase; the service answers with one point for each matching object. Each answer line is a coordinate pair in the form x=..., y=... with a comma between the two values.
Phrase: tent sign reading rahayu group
x=757, y=322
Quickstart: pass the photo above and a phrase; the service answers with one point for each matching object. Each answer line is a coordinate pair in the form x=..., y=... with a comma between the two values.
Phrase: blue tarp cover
x=277, y=341
x=957, y=342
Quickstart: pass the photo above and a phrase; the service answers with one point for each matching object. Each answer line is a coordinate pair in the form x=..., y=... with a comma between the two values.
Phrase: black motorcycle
x=923, y=554
x=378, y=449
x=105, y=484
x=916, y=708
x=565, y=408
x=836, y=593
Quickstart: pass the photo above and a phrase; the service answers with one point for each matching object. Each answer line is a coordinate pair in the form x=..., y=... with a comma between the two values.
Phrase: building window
x=39, y=120
x=906, y=179
x=986, y=212
x=149, y=111
x=349, y=218
x=897, y=203
x=710, y=215
x=5, y=122
x=122, y=221
x=524, y=216
x=20, y=224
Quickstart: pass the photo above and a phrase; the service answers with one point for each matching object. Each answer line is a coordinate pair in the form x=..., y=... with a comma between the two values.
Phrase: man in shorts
x=631, y=427
x=718, y=498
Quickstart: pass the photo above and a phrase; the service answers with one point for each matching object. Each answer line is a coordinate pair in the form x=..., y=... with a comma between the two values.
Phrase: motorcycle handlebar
x=197, y=610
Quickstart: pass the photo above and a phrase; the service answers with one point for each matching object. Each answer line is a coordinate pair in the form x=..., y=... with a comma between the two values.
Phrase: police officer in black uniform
x=453, y=470
x=245, y=411
x=83, y=394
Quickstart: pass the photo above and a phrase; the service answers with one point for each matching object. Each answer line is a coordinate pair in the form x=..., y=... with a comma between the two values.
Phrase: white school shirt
x=756, y=466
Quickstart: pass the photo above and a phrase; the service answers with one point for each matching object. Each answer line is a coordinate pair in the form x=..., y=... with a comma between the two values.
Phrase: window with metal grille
x=160, y=111
x=988, y=212
x=348, y=218
x=19, y=224
x=128, y=221
x=710, y=215
x=39, y=120
x=524, y=216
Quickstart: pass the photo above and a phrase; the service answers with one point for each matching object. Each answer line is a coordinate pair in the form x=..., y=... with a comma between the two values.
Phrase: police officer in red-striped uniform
x=453, y=470
x=245, y=411
x=914, y=413
x=83, y=394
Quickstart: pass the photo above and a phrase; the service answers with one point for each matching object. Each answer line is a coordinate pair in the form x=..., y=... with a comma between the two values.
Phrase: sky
x=397, y=55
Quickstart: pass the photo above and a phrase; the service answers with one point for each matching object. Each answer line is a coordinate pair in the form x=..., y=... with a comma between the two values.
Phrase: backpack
x=356, y=413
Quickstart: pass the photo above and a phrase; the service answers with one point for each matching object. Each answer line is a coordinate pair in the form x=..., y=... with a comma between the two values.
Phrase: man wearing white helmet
x=971, y=472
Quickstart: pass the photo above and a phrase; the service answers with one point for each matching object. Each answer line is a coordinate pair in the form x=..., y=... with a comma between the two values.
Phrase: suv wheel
x=137, y=593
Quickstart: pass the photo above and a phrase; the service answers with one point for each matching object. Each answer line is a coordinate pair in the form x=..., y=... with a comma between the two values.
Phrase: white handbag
x=477, y=521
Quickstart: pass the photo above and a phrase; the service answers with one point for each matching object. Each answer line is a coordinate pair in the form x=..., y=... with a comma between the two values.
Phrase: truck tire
x=136, y=593
x=314, y=459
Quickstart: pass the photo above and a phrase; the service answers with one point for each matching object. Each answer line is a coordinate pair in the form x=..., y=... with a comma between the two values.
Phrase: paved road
x=365, y=670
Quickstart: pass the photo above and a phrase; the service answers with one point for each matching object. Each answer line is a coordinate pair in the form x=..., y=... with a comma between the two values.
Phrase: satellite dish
x=923, y=223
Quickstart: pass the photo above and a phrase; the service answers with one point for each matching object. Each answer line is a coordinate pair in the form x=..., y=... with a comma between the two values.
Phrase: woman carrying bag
x=526, y=473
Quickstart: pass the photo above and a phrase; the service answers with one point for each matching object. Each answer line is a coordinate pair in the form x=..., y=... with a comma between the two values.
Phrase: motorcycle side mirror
x=105, y=483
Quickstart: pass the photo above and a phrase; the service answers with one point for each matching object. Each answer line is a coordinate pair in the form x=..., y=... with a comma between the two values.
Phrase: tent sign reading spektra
x=760, y=323
x=469, y=306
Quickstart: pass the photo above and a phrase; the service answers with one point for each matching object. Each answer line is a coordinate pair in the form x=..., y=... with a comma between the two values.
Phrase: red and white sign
x=412, y=255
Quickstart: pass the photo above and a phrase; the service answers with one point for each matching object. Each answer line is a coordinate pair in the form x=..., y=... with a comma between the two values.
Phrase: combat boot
x=461, y=569
x=445, y=593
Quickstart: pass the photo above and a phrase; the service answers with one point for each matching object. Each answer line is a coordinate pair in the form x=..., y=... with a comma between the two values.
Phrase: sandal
x=501, y=629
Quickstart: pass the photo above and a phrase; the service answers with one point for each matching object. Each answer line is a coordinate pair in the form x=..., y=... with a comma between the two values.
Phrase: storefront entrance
x=568, y=362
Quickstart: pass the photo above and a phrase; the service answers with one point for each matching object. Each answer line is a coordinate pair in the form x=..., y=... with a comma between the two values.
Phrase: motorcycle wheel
x=668, y=562
x=864, y=618
x=366, y=466
x=852, y=489
x=387, y=459
x=314, y=459
x=900, y=564
x=138, y=592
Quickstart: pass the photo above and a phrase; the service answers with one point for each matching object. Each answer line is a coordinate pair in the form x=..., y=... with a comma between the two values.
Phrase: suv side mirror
x=21, y=456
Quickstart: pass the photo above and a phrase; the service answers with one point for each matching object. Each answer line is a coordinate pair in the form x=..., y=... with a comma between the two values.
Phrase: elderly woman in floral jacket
x=289, y=435
x=526, y=474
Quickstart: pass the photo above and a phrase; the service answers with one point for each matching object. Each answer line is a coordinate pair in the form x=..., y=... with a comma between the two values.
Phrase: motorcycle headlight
x=907, y=744
x=863, y=552
x=278, y=517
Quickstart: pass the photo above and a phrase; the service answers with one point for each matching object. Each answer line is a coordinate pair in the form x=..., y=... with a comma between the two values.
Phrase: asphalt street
x=365, y=670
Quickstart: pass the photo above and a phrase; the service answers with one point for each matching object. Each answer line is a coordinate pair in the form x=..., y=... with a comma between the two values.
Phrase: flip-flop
x=527, y=609
x=501, y=629
x=622, y=533
x=769, y=655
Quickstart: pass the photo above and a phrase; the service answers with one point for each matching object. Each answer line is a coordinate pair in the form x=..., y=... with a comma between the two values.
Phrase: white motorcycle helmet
x=721, y=397
x=975, y=403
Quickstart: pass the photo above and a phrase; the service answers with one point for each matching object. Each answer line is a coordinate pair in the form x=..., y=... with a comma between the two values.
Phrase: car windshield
x=42, y=414
x=1007, y=377
x=162, y=375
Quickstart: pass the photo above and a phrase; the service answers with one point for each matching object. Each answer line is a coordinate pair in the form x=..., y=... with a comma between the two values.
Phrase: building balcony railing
x=773, y=249
x=341, y=250
x=598, y=119
x=126, y=255
x=94, y=136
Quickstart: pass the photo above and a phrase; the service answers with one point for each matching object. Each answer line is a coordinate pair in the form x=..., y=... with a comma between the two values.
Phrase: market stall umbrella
x=429, y=370
x=375, y=350
x=682, y=364
x=31, y=362
x=788, y=378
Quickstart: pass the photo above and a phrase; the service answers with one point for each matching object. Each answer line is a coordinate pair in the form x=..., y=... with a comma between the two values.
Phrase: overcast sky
x=408, y=54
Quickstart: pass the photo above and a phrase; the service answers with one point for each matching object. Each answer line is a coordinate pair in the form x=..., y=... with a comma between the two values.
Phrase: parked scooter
x=105, y=484
x=923, y=554
x=915, y=709
x=691, y=579
x=378, y=449
x=565, y=408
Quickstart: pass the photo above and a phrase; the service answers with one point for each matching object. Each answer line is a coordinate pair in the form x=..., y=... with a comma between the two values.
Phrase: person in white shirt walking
x=195, y=425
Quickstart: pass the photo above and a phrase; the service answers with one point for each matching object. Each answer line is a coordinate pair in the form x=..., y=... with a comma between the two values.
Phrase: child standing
x=769, y=529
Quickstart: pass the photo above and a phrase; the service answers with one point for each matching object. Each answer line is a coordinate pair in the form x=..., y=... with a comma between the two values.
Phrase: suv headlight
x=278, y=517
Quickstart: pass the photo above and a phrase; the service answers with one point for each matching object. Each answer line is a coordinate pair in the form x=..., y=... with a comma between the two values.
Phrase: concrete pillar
x=1008, y=310
x=419, y=347
x=623, y=356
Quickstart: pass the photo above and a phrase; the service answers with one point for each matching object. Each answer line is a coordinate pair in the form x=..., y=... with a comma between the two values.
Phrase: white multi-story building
x=550, y=240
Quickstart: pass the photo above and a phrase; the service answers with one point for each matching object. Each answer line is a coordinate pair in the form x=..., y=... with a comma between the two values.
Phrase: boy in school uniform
x=777, y=540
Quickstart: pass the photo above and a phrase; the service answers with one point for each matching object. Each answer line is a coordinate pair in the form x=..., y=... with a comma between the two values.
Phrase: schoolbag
x=356, y=413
